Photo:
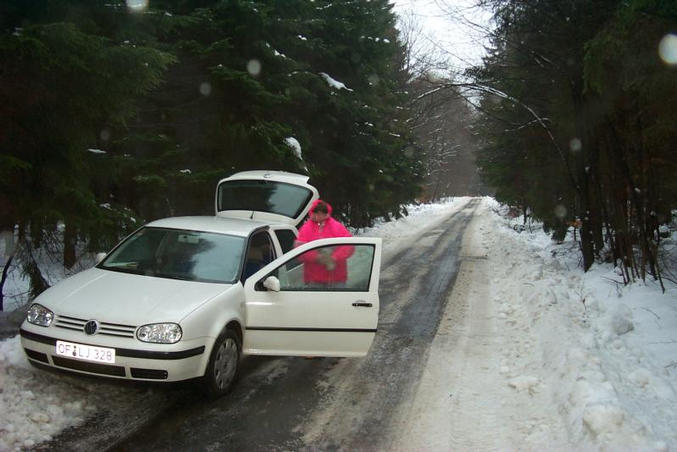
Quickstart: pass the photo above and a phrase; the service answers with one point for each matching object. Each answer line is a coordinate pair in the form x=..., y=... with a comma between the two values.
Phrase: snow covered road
x=465, y=399
x=366, y=397
x=526, y=352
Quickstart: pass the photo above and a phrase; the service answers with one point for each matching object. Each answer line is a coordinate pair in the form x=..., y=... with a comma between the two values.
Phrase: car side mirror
x=99, y=258
x=272, y=283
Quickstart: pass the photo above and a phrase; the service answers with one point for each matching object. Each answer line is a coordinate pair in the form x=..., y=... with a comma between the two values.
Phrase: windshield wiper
x=173, y=276
x=133, y=271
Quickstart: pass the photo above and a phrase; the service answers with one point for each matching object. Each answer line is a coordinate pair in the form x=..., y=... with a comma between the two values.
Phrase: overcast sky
x=450, y=30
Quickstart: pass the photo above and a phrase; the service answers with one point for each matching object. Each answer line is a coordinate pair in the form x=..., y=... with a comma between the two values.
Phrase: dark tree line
x=111, y=116
x=577, y=110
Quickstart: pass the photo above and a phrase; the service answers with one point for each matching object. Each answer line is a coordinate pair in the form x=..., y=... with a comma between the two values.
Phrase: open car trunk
x=270, y=196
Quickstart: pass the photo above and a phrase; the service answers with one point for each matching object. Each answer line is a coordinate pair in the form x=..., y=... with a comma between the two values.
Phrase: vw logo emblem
x=91, y=327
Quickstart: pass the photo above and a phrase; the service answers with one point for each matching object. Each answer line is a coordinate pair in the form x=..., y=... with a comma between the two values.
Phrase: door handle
x=362, y=304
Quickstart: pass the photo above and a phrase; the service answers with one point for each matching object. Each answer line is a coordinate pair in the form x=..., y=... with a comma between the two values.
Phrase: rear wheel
x=224, y=364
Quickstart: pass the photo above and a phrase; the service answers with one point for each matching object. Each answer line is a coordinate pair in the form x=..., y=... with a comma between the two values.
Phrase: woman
x=326, y=265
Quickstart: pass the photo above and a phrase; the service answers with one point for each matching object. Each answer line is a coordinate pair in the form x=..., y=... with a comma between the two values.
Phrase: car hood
x=129, y=299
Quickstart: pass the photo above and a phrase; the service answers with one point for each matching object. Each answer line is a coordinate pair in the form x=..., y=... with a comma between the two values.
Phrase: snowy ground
x=545, y=356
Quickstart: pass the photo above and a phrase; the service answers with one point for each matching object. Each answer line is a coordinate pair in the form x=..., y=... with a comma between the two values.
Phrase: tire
x=224, y=365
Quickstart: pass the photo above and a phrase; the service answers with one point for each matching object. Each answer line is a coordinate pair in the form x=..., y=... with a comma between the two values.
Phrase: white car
x=184, y=297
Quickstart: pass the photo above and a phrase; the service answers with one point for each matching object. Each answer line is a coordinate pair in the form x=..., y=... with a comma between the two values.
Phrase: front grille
x=150, y=374
x=32, y=354
x=107, y=329
x=102, y=369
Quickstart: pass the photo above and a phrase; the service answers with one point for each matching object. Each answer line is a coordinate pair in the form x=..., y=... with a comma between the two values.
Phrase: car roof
x=231, y=226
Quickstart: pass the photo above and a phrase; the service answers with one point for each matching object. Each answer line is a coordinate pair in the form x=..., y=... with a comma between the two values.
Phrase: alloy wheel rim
x=225, y=363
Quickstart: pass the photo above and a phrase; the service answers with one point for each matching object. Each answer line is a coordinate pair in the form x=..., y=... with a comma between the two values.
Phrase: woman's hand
x=325, y=258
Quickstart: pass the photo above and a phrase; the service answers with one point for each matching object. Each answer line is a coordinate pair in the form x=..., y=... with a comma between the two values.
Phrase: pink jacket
x=314, y=271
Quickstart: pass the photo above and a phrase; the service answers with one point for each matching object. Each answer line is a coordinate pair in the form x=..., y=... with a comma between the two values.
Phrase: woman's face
x=318, y=217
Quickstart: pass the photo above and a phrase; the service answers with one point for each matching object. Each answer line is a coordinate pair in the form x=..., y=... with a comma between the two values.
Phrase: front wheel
x=224, y=363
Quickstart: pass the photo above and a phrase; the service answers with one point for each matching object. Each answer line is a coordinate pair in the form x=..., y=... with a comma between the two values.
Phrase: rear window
x=263, y=196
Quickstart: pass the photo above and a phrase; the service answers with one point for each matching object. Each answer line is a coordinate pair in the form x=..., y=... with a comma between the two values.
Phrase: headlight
x=39, y=315
x=160, y=333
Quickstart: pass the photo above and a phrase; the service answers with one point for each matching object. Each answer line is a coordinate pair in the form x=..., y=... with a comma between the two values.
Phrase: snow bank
x=41, y=406
x=606, y=352
x=38, y=405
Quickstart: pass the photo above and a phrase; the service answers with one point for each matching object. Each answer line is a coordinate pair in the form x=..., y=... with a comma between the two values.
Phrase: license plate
x=85, y=352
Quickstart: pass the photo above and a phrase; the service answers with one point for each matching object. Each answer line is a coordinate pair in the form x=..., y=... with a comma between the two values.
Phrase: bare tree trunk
x=30, y=268
x=5, y=271
x=583, y=191
x=69, y=242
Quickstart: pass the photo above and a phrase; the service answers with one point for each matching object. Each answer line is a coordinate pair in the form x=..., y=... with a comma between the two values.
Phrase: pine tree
x=113, y=116
x=269, y=71
x=61, y=85
x=585, y=104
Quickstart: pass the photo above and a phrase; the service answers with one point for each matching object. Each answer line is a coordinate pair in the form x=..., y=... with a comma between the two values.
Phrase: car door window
x=259, y=253
x=286, y=239
x=335, y=268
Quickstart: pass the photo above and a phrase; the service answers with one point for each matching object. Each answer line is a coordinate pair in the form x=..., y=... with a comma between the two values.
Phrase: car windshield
x=179, y=254
x=263, y=196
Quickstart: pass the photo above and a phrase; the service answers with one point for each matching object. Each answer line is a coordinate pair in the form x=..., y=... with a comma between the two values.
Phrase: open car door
x=288, y=312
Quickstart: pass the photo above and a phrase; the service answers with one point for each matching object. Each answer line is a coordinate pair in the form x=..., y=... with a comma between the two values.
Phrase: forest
x=578, y=123
x=114, y=113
